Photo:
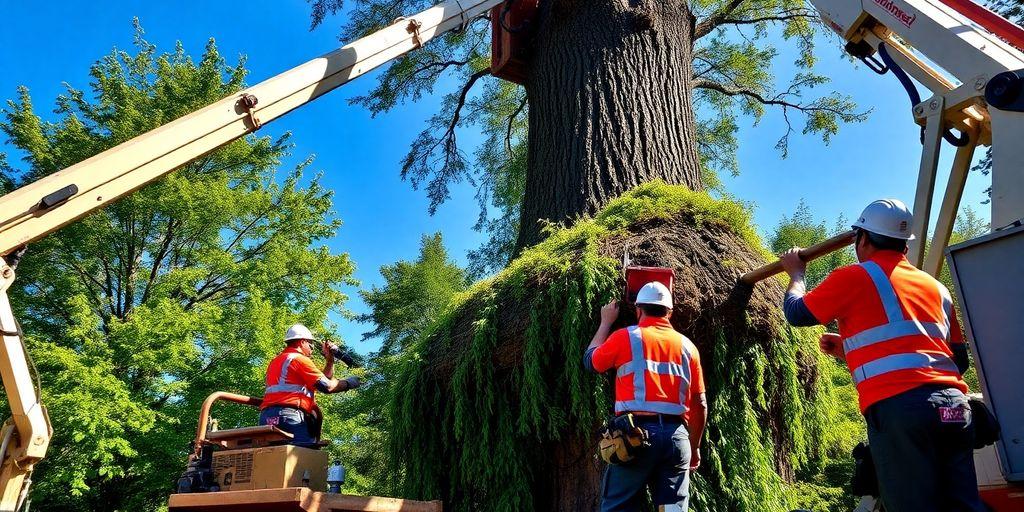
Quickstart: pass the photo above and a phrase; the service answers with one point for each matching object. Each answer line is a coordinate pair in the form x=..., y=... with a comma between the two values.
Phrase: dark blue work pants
x=293, y=421
x=922, y=444
x=664, y=467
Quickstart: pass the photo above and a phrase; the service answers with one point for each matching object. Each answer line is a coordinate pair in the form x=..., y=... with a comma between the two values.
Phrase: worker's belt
x=622, y=440
x=313, y=419
x=663, y=419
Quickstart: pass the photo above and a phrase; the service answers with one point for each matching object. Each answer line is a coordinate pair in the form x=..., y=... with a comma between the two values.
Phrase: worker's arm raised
x=796, y=312
x=605, y=360
x=327, y=385
x=312, y=377
x=325, y=349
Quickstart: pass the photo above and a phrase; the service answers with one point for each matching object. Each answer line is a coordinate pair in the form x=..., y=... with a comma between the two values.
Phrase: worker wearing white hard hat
x=900, y=338
x=291, y=382
x=659, y=400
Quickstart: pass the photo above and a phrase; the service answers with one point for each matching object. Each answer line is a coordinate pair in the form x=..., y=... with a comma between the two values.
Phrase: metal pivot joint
x=414, y=28
x=248, y=103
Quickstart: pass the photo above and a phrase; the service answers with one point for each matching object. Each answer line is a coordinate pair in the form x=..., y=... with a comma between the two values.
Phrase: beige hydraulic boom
x=42, y=207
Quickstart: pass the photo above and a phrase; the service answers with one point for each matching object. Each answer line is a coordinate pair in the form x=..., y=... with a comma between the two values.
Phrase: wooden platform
x=299, y=499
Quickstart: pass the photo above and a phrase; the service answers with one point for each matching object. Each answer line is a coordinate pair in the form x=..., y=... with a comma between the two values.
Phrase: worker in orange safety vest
x=660, y=383
x=899, y=336
x=292, y=379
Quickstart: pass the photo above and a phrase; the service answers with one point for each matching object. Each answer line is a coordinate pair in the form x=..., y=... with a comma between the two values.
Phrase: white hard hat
x=298, y=332
x=655, y=293
x=887, y=217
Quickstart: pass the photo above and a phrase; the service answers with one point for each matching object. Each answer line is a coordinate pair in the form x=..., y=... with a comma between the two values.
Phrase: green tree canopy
x=413, y=295
x=137, y=312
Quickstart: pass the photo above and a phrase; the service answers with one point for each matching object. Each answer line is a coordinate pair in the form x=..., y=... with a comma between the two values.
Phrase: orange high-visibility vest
x=286, y=382
x=652, y=381
x=895, y=321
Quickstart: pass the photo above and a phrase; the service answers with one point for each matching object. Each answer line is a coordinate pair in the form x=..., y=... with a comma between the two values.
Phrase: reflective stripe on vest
x=897, y=327
x=639, y=366
x=282, y=386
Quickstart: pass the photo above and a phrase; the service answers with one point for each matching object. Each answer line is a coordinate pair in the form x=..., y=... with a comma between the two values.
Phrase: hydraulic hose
x=8, y=432
x=915, y=96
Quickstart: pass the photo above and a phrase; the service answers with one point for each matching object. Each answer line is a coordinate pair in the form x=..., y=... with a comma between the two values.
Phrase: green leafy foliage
x=737, y=49
x=470, y=438
x=137, y=312
x=413, y=295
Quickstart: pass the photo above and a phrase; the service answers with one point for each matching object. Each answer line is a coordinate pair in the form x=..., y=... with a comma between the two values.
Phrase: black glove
x=353, y=382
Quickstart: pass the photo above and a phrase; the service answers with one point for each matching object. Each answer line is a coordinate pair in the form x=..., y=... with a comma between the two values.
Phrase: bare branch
x=420, y=163
x=462, y=100
x=821, y=113
x=511, y=124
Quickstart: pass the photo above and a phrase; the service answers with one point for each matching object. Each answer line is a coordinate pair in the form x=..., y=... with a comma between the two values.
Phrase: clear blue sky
x=46, y=43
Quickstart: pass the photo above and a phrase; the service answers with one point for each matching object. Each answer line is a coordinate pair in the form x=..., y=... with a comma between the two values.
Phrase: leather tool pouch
x=865, y=478
x=986, y=428
x=622, y=440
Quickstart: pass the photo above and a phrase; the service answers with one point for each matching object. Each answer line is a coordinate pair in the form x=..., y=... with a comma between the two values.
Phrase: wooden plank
x=342, y=503
x=813, y=252
x=293, y=500
x=284, y=500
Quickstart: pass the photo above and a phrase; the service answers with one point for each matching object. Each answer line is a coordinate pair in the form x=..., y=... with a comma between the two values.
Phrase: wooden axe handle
x=813, y=252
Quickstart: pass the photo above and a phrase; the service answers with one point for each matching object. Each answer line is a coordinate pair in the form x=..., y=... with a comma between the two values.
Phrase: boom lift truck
x=979, y=91
x=282, y=480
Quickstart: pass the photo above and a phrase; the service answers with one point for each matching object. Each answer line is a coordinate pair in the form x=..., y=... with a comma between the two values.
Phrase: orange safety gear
x=658, y=369
x=291, y=381
x=896, y=322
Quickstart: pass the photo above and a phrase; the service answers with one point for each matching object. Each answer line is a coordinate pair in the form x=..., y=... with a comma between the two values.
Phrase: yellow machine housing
x=272, y=467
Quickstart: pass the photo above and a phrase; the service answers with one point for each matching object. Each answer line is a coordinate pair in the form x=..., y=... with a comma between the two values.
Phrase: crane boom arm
x=108, y=176
x=40, y=208
x=973, y=49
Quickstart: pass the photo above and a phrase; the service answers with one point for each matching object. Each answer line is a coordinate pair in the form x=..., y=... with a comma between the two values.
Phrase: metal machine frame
x=980, y=50
x=949, y=32
x=996, y=343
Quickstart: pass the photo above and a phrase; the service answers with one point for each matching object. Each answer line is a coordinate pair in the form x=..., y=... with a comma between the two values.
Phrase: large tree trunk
x=610, y=106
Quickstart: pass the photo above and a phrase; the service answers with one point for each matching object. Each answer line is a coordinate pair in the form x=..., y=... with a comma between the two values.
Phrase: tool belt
x=622, y=440
x=864, y=481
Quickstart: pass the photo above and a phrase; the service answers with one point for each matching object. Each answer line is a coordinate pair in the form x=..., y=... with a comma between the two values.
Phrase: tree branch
x=462, y=101
x=716, y=19
x=158, y=259
x=776, y=100
x=511, y=124
x=782, y=16
x=418, y=160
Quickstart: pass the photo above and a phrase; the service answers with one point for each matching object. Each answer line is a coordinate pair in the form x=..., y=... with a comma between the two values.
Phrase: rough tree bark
x=610, y=91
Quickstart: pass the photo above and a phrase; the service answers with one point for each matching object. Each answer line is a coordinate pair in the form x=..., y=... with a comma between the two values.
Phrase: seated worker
x=292, y=378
